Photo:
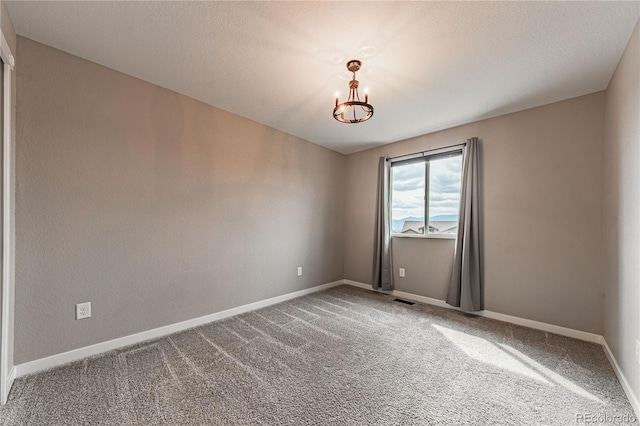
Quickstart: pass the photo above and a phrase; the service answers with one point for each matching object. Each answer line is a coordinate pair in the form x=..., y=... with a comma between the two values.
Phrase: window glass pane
x=407, y=198
x=444, y=194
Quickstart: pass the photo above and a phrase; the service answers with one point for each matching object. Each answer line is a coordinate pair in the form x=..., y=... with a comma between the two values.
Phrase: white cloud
x=408, y=188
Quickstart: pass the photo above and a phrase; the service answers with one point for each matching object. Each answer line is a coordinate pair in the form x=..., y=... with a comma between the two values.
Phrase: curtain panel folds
x=382, y=263
x=466, y=289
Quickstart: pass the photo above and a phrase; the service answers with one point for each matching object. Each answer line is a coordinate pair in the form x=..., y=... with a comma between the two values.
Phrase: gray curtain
x=466, y=289
x=382, y=265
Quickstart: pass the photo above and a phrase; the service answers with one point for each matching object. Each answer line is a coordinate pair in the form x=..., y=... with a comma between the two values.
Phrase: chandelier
x=354, y=110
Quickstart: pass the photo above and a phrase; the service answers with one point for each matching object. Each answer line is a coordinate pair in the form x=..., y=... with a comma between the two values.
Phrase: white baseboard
x=633, y=399
x=87, y=351
x=556, y=329
x=358, y=284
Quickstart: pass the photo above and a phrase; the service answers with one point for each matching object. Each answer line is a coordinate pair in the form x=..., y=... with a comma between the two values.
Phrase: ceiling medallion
x=354, y=110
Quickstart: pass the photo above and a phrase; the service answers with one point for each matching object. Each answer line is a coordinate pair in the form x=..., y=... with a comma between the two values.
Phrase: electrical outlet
x=299, y=271
x=402, y=272
x=83, y=310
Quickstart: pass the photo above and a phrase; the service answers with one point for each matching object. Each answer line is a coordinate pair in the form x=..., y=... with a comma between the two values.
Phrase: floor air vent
x=406, y=302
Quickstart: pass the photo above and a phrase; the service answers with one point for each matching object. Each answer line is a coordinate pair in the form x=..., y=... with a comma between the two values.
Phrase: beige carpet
x=345, y=356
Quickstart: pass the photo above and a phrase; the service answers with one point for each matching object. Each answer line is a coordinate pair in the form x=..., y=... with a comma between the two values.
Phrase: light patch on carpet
x=484, y=351
x=553, y=376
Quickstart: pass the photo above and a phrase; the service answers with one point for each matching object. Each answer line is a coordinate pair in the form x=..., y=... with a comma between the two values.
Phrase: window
x=426, y=187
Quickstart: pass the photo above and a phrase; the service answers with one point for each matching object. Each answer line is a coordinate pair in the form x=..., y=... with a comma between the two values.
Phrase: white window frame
x=426, y=157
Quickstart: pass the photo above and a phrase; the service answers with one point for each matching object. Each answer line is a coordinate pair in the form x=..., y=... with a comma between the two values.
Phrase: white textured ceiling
x=428, y=65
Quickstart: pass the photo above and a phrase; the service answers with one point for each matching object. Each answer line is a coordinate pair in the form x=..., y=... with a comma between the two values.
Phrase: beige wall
x=621, y=203
x=155, y=207
x=542, y=185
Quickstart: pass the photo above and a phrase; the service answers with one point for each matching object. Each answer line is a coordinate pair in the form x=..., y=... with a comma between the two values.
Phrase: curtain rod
x=422, y=153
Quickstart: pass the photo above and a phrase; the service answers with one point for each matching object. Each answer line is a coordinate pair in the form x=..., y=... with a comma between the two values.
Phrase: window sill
x=428, y=236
